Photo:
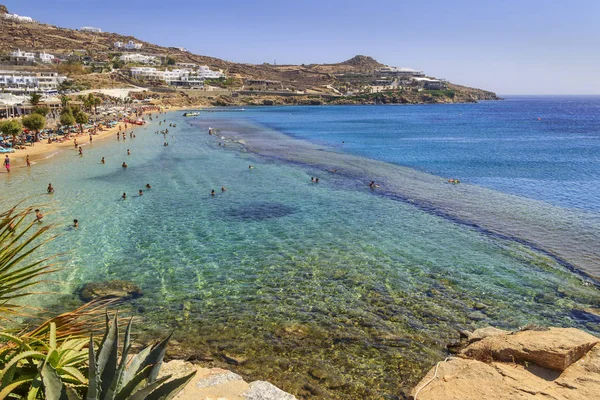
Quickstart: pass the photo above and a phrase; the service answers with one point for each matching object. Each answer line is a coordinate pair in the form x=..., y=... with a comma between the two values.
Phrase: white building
x=183, y=77
x=430, y=84
x=18, y=18
x=402, y=71
x=131, y=45
x=29, y=82
x=90, y=29
x=207, y=73
x=46, y=58
x=138, y=58
x=187, y=65
x=22, y=56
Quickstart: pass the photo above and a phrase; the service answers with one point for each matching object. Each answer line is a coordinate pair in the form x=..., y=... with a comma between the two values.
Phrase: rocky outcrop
x=556, y=348
x=535, y=364
x=217, y=383
x=123, y=290
x=3, y=9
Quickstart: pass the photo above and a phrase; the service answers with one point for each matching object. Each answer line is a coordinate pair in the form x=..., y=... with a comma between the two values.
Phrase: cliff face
x=3, y=9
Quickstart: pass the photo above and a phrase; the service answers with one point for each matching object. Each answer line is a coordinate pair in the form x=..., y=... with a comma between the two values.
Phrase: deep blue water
x=545, y=148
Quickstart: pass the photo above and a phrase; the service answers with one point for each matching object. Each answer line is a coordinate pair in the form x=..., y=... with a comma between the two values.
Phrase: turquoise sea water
x=329, y=290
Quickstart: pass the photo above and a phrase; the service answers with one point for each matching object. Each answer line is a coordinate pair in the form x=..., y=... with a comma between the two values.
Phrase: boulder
x=217, y=383
x=119, y=289
x=555, y=348
x=464, y=379
x=482, y=333
x=3, y=9
x=261, y=390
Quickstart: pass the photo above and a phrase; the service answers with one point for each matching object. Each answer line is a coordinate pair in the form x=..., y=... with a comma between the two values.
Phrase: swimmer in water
x=312, y=178
x=148, y=186
x=50, y=189
x=140, y=192
x=128, y=152
x=75, y=223
x=124, y=165
x=124, y=196
x=250, y=167
x=373, y=185
x=223, y=189
x=102, y=161
x=80, y=151
x=316, y=180
x=212, y=192
x=38, y=215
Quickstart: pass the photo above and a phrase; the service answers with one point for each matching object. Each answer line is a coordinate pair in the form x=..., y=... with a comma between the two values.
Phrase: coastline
x=42, y=151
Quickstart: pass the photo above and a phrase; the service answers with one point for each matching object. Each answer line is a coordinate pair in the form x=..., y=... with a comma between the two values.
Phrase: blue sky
x=508, y=46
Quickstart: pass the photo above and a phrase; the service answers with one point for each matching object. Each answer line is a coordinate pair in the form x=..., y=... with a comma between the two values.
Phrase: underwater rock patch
x=124, y=290
x=258, y=211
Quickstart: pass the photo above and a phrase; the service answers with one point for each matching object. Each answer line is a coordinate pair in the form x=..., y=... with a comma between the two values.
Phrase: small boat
x=191, y=114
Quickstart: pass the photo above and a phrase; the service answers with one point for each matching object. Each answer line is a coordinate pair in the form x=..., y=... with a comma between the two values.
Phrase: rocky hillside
x=316, y=78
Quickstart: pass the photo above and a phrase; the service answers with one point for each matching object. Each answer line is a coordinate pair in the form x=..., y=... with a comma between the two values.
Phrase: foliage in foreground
x=111, y=378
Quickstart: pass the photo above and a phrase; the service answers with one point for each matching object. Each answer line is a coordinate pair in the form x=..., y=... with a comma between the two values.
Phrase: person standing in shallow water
x=27, y=161
x=50, y=188
x=7, y=163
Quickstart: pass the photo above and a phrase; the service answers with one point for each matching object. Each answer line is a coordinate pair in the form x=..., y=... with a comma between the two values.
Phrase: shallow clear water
x=326, y=289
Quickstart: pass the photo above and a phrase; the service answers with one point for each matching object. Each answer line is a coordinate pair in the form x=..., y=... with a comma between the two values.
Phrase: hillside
x=309, y=78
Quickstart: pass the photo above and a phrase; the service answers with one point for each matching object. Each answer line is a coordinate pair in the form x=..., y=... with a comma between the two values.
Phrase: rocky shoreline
x=535, y=363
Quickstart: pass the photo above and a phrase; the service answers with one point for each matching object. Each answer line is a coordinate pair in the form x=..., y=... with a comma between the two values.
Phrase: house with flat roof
x=90, y=29
x=19, y=56
x=131, y=45
x=429, y=83
x=138, y=58
x=23, y=82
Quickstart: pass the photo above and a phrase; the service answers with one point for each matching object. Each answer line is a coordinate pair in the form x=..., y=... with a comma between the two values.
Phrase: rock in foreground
x=216, y=383
x=469, y=379
x=117, y=289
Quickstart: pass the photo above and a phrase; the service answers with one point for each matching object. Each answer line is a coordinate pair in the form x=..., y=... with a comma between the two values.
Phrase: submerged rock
x=482, y=333
x=119, y=289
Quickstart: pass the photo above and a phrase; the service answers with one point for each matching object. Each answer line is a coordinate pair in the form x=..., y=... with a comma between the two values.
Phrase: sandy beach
x=42, y=150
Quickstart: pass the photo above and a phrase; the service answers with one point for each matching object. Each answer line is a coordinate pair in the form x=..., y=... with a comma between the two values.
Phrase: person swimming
x=312, y=178
x=124, y=165
x=102, y=161
x=128, y=152
x=373, y=185
x=250, y=167
x=75, y=223
x=140, y=192
x=38, y=215
x=50, y=188
x=316, y=180
x=223, y=189
x=212, y=192
x=148, y=186
x=124, y=196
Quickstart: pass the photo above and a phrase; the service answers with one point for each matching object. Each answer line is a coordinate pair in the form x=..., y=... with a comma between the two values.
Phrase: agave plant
x=20, y=357
x=111, y=378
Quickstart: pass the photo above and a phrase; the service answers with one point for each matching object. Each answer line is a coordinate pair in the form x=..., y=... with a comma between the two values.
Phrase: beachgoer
x=223, y=189
x=75, y=223
x=27, y=161
x=250, y=167
x=312, y=178
x=128, y=152
x=102, y=161
x=131, y=135
x=75, y=141
x=212, y=192
x=140, y=192
x=148, y=186
x=90, y=138
x=124, y=165
x=38, y=215
x=7, y=163
x=118, y=135
x=316, y=180
x=50, y=188
x=80, y=151
x=134, y=134
x=124, y=196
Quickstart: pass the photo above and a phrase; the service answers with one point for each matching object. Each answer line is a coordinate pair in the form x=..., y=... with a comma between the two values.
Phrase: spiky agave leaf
x=169, y=389
x=108, y=356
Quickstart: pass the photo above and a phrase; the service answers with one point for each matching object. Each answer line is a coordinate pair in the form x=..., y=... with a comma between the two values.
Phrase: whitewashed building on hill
x=46, y=58
x=22, y=56
x=90, y=29
x=131, y=45
x=28, y=81
x=18, y=18
x=138, y=58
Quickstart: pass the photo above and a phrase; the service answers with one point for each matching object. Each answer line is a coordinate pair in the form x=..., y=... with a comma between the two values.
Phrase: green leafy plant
x=111, y=378
x=21, y=355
